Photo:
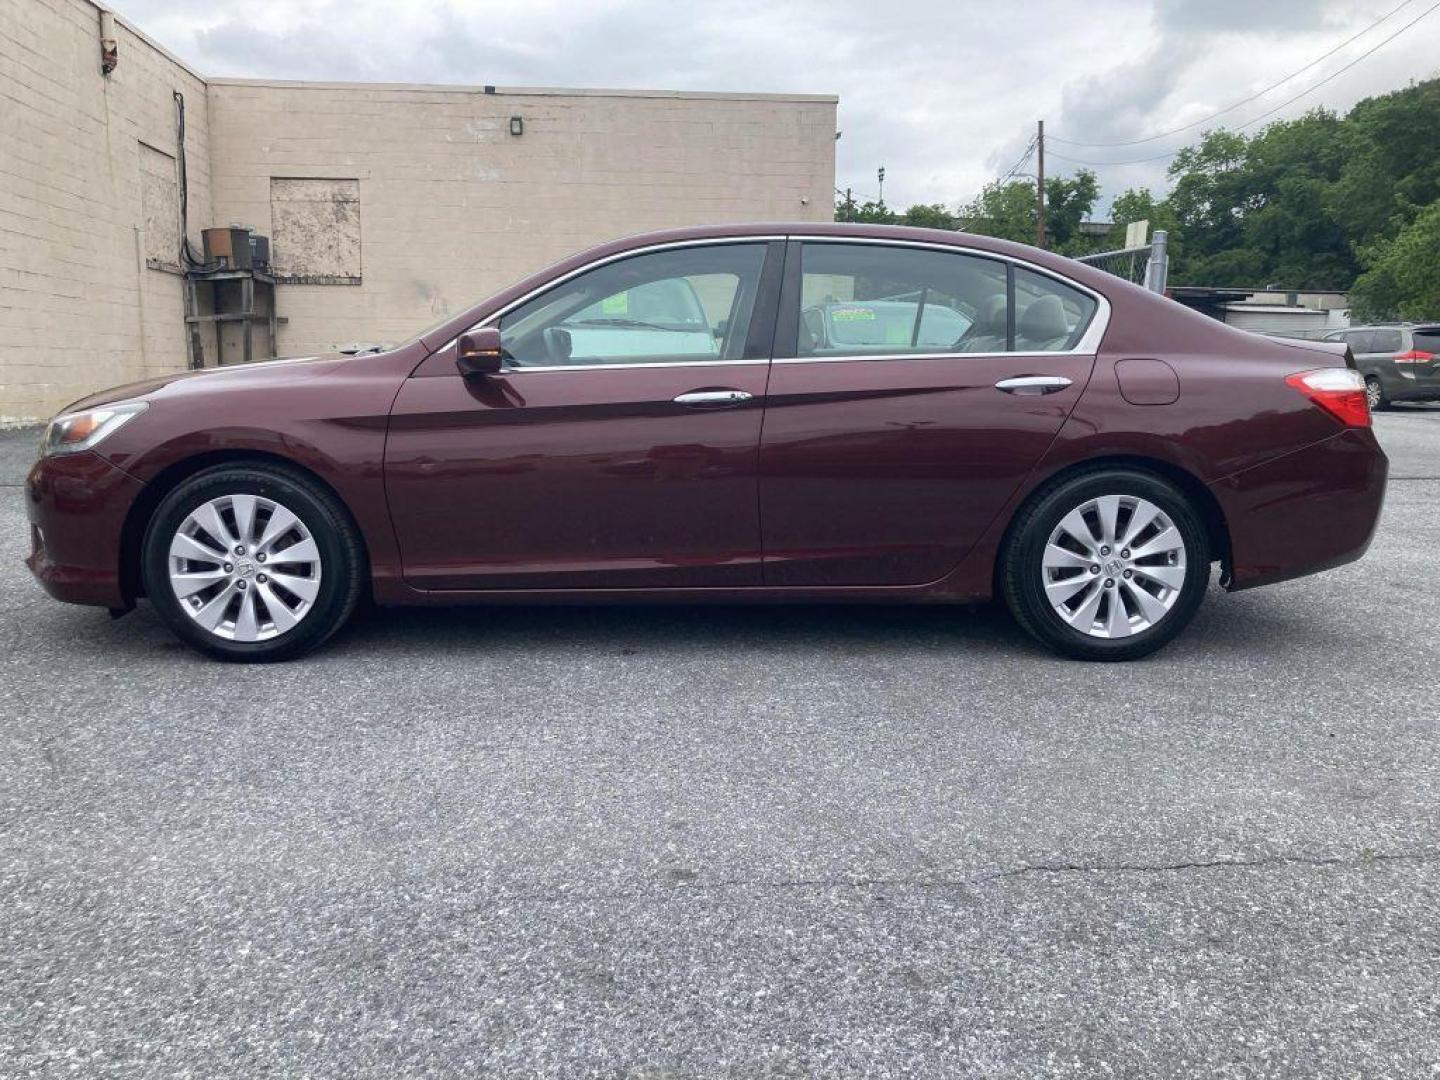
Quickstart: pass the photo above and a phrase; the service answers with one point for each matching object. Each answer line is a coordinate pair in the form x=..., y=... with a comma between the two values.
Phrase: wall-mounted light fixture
x=517, y=125
x=109, y=43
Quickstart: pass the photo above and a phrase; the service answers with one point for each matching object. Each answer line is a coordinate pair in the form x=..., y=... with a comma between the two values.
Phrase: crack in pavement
x=694, y=885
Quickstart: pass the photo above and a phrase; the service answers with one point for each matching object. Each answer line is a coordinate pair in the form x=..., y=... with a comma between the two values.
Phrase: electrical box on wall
x=228, y=247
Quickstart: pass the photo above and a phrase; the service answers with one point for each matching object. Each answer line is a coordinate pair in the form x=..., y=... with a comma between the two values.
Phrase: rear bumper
x=77, y=505
x=1304, y=512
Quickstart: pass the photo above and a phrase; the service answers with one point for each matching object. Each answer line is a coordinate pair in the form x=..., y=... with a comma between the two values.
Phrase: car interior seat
x=1042, y=327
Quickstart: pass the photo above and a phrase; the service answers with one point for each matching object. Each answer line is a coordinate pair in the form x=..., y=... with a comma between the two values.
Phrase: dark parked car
x=754, y=413
x=1399, y=363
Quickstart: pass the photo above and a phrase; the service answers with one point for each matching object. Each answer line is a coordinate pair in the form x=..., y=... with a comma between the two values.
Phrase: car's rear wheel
x=1106, y=565
x=1375, y=394
x=252, y=563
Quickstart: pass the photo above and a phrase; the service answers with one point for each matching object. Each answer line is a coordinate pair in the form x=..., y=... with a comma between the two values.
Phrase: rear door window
x=879, y=300
x=1386, y=341
x=874, y=300
x=1358, y=340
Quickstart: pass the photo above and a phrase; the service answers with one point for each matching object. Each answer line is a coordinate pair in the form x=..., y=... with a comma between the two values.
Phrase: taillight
x=1339, y=391
x=1415, y=356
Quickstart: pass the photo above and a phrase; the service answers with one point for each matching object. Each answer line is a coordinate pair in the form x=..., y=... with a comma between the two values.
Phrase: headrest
x=992, y=314
x=1043, y=320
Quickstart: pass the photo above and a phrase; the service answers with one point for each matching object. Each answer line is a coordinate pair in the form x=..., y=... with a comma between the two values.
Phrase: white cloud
x=943, y=94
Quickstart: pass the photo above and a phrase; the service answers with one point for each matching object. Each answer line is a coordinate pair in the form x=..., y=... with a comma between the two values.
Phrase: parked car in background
x=761, y=413
x=1399, y=362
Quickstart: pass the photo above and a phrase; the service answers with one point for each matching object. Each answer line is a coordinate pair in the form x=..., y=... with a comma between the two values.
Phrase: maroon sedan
x=750, y=413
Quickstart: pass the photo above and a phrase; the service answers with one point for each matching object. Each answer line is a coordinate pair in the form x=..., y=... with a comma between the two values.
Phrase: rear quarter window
x=1428, y=340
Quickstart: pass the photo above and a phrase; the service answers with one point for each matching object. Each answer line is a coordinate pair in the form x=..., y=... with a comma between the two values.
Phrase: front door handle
x=713, y=399
x=1033, y=384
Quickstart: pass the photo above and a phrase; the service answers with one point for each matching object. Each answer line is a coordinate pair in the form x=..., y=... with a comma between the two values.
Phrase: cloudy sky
x=943, y=93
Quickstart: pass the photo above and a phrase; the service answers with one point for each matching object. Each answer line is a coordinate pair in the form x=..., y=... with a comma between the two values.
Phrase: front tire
x=1109, y=564
x=252, y=563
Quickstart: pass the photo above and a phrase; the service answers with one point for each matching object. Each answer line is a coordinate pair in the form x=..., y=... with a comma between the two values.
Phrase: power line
x=1245, y=101
x=1265, y=115
x=1029, y=149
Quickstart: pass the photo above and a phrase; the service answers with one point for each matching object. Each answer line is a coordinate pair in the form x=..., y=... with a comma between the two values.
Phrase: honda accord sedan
x=763, y=413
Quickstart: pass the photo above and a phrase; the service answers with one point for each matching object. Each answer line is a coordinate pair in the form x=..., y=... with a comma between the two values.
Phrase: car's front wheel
x=252, y=562
x=1106, y=565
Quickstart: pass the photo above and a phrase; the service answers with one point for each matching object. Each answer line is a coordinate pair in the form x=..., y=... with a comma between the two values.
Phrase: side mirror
x=479, y=353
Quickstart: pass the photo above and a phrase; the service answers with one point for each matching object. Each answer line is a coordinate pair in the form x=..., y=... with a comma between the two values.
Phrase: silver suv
x=1400, y=362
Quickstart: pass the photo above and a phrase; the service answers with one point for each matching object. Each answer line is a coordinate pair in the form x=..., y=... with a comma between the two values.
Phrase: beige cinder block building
x=387, y=206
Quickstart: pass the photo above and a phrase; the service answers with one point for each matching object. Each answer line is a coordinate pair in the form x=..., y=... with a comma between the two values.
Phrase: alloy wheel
x=1374, y=396
x=1114, y=566
x=244, y=567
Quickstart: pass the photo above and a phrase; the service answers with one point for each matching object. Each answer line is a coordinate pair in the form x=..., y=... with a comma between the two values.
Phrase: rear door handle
x=713, y=399
x=1033, y=384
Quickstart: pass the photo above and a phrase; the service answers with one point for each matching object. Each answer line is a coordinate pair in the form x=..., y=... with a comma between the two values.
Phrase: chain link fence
x=1146, y=266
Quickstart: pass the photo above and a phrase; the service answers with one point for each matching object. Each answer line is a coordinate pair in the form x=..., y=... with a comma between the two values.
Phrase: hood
x=238, y=373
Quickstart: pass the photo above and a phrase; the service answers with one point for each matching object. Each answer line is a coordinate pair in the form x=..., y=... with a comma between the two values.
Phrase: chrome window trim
x=629, y=367
x=712, y=241
x=1088, y=344
x=859, y=357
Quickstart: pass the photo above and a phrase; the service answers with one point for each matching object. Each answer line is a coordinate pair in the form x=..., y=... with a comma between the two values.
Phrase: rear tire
x=1109, y=564
x=1375, y=394
x=252, y=563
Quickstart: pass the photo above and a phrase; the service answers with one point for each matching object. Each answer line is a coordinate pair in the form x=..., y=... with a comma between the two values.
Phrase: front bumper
x=77, y=504
x=1307, y=511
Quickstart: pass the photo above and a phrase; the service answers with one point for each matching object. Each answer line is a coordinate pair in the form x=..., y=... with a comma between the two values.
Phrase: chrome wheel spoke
x=1108, y=592
x=212, y=611
x=1076, y=527
x=188, y=584
x=184, y=546
x=1107, y=508
x=1117, y=619
x=1066, y=588
x=1164, y=542
x=243, y=507
x=1059, y=558
x=1172, y=577
x=303, y=552
x=1084, y=615
x=303, y=587
x=1151, y=606
x=246, y=626
x=281, y=522
x=235, y=585
x=208, y=518
x=280, y=613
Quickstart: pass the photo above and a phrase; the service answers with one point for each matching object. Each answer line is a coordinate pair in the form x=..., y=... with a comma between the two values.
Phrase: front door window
x=682, y=305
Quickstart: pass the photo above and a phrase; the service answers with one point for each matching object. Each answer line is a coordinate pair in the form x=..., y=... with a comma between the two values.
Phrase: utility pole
x=1040, y=184
x=881, y=174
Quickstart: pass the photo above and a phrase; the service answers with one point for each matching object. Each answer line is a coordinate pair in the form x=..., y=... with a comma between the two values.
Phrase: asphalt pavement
x=676, y=842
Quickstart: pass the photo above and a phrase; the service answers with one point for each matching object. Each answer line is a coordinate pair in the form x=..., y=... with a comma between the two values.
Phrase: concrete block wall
x=79, y=310
x=453, y=206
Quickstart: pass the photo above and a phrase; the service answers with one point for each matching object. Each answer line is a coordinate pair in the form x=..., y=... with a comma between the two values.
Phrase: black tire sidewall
x=328, y=525
x=1023, y=577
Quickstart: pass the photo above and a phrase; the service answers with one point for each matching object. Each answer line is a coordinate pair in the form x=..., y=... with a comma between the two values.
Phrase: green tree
x=1003, y=210
x=1069, y=201
x=1402, y=276
x=930, y=216
x=875, y=213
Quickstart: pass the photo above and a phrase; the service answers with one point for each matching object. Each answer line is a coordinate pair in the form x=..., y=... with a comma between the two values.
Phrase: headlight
x=83, y=430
